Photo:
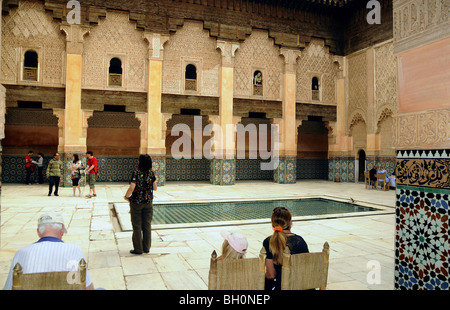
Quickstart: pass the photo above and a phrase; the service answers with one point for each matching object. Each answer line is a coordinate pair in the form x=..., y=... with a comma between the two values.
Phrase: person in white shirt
x=383, y=170
x=40, y=165
x=49, y=253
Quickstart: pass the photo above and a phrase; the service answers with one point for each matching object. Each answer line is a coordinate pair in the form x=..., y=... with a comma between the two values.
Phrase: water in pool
x=232, y=211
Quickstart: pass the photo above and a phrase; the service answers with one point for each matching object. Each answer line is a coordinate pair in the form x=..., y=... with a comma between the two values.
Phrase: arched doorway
x=361, y=165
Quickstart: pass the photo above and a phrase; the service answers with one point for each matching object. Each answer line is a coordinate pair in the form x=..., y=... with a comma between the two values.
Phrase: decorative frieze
x=424, y=168
x=423, y=172
x=422, y=130
x=418, y=22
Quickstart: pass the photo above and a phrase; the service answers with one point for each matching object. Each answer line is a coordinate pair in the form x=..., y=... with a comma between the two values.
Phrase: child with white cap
x=234, y=246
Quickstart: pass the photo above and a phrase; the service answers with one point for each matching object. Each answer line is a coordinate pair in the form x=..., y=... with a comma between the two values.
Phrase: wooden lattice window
x=190, y=78
x=30, y=66
x=115, y=72
x=315, y=89
x=257, y=83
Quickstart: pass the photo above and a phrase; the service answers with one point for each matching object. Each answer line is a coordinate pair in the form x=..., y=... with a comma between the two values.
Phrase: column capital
x=156, y=43
x=228, y=51
x=340, y=61
x=290, y=59
x=74, y=37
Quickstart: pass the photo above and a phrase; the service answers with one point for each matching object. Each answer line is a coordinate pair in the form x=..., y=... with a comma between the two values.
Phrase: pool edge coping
x=382, y=209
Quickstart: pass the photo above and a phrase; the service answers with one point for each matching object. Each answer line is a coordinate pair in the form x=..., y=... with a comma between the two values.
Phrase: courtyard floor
x=179, y=257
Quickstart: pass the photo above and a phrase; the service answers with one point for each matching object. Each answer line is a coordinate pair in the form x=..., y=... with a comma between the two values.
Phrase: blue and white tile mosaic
x=422, y=239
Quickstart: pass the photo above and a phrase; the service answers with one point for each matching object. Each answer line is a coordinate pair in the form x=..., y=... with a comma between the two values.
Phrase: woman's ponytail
x=281, y=220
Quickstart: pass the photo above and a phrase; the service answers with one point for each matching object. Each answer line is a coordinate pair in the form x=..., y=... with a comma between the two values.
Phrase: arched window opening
x=30, y=66
x=190, y=77
x=315, y=88
x=257, y=83
x=115, y=72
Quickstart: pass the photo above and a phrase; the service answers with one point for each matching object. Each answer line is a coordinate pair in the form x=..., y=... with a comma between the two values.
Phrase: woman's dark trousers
x=141, y=219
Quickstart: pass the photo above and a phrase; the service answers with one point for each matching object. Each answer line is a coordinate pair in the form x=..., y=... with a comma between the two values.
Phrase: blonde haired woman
x=282, y=237
x=234, y=246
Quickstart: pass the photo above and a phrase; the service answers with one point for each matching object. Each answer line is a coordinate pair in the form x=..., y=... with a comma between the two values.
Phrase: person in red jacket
x=91, y=172
x=28, y=163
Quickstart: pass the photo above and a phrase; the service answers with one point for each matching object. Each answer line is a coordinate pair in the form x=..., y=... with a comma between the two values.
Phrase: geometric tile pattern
x=250, y=169
x=388, y=163
x=422, y=238
x=223, y=171
x=66, y=175
x=285, y=173
x=119, y=169
x=116, y=169
x=312, y=168
x=159, y=168
x=341, y=169
x=13, y=169
x=185, y=169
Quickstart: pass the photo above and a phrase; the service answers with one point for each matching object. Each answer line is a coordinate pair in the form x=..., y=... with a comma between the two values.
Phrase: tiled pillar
x=152, y=138
x=341, y=166
x=72, y=120
x=422, y=140
x=223, y=165
x=223, y=171
x=285, y=171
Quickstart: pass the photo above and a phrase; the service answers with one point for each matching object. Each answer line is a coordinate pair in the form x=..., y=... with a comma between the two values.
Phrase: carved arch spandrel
x=356, y=117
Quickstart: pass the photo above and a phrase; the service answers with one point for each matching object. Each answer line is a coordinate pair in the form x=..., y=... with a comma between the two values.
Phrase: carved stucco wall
x=191, y=44
x=359, y=134
x=385, y=79
x=258, y=52
x=29, y=26
x=377, y=118
x=417, y=22
x=316, y=61
x=115, y=36
x=385, y=96
x=357, y=88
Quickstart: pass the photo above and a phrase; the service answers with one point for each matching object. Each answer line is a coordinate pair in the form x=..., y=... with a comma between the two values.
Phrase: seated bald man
x=49, y=253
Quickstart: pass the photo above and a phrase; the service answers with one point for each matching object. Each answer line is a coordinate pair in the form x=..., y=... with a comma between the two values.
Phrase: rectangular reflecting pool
x=252, y=210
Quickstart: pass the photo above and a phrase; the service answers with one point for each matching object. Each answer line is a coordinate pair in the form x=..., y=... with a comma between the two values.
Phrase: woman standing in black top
x=275, y=245
x=140, y=196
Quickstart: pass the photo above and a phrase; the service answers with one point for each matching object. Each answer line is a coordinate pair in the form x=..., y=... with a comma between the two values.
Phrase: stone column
x=72, y=135
x=338, y=151
x=153, y=142
x=285, y=172
x=373, y=139
x=223, y=166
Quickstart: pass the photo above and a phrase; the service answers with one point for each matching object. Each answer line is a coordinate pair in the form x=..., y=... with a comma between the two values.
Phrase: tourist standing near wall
x=140, y=196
